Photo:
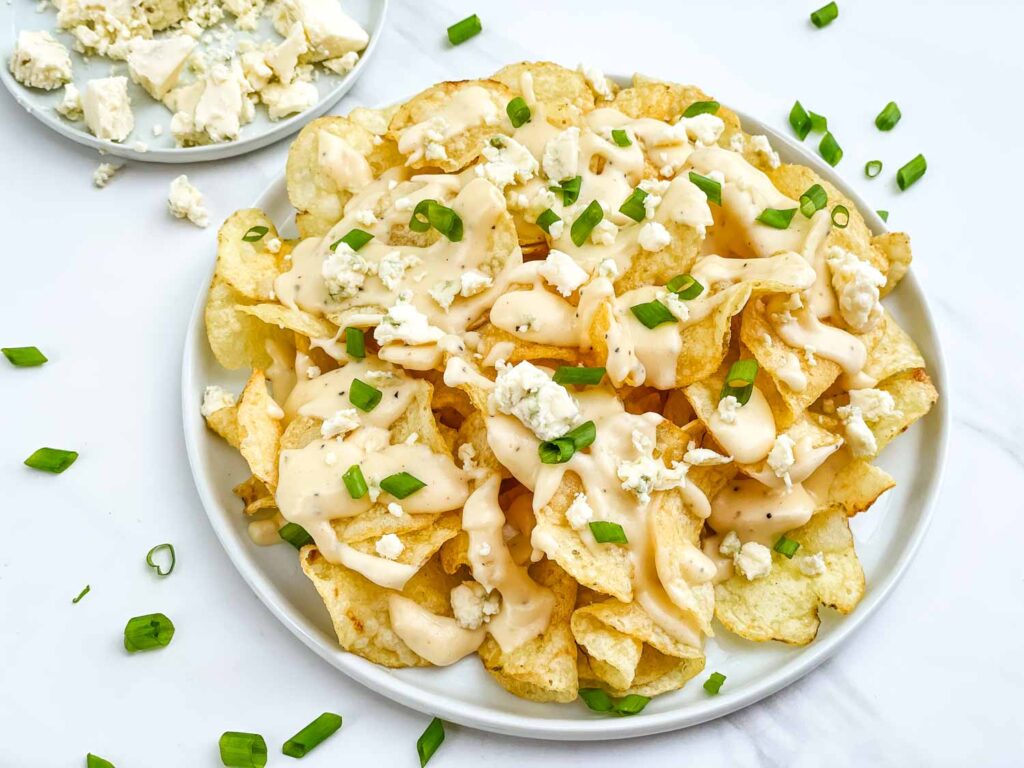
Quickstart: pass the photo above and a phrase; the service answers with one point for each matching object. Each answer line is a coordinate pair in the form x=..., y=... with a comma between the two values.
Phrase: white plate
x=887, y=537
x=16, y=15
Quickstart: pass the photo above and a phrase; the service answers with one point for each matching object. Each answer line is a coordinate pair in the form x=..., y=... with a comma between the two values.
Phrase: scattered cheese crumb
x=341, y=423
x=389, y=546
x=103, y=174
x=579, y=514
x=753, y=560
x=813, y=565
x=185, y=201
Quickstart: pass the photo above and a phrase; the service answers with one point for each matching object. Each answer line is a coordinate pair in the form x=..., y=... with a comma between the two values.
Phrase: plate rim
x=279, y=130
x=380, y=680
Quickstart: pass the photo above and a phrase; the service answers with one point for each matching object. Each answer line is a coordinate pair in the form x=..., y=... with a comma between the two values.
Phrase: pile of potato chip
x=598, y=635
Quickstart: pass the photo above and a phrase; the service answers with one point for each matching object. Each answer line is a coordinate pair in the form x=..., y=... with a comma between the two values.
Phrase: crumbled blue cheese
x=604, y=233
x=404, y=323
x=704, y=457
x=763, y=148
x=562, y=155
x=284, y=57
x=508, y=162
x=813, y=565
x=473, y=605
x=753, y=560
x=646, y=474
x=596, y=79
x=214, y=399
x=703, y=129
x=781, y=458
x=874, y=404
x=857, y=284
x=395, y=509
x=70, y=105
x=607, y=268
x=107, y=108
x=343, y=65
x=655, y=189
x=472, y=282
x=39, y=61
x=330, y=31
x=579, y=514
x=653, y=236
x=104, y=26
x=444, y=293
x=526, y=392
x=186, y=202
x=156, y=64
x=730, y=545
x=283, y=100
x=562, y=272
x=675, y=305
x=212, y=109
x=389, y=546
x=341, y=423
x=392, y=266
x=859, y=436
x=727, y=408
x=344, y=271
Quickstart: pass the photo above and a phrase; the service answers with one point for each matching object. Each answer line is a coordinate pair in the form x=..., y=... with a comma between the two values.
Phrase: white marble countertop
x=103, y=281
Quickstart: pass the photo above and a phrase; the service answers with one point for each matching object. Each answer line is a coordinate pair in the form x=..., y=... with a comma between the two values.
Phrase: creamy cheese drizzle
x=438, y=639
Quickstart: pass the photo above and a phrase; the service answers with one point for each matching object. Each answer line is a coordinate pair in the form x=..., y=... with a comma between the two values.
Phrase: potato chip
x=291, y=318
x=248, y=267
x=224, y=421
x=259, y=429
x=236, y=339
x=255, y=495
x=655, y=674
x=553, y=84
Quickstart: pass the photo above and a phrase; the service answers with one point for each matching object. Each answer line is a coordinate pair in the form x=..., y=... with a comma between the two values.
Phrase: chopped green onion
x=740, y=381
x=354, y=239
x=243, y=750
x=883, y=215
x=355, y=482
x=518, y=111
x=303, y=742
x=830, y=150
x=772, y=217
x=714, y=683
x=825, y=15
x=401, y=484
x=813, y=200
x=355, y=343
x=608, y=533
x=819, y=123
x=81, y=594
x=634, y=205
x=155, y=565
x=701, y=108
x=94, y=761
x=561, y=449
x=419, y=221
x=143, y=633
x=596, y=699
x=799, y=119
x=631, y=704
x=911, y=172
x=786, y=547
x=685, y=286
x=295, y=535
x=872, y=168
x=363, y=396
x=51, y=460
x=430, y=213
x=621, y=138
x=585, y=223
x=579, y=375
x=24, y=357
x=888, y=117
x=708, y=186
x=652, y=314
x=430, y=740
x=840, y=216
x=570, y=189
x=546, y=219
x=255, y=234
x=461, y=31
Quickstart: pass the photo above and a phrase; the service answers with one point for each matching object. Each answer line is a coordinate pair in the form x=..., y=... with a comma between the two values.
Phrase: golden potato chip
x=419, y=545
x=224, y=421
x=553, y=84
x=893, y=352
x=291, y=318
x=259, y=429
x=632, y=620
x=255, y=495
x=914, y=394
x=498, y=344
x=613, y=655
x=236, y=339
x=896, y=248
x=655, y=674
x=248, y=267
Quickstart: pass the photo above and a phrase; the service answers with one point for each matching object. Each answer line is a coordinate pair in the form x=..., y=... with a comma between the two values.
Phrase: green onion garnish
x=561, y=449
x=155, y=565
x=872, y=168
x=701, y=108
x=652, y=314
x=888, y=117
x=634, y=206
x=143, y=633
x=24, y=357
x=620, y=137
x=911, y=172
x=354, y=239
x=825, y=15
x=813, y=200
x=363, y=396
x=81, y=594
x=740, y=381
x=598, y=700
x=430, y=740
x=518, y=111
x=714, y=683
x=570, y=189
x=708, y=186
x=608, y=533
x=579, y=375
x=355, y=343
x=631, y=704
x=295, y=535
x=430, y=213
x=786, y=547
x=255, y=234
x=312, y=735
x=546, y=219
x=401, y=484
x=243, y=750
x=830, y=150
x=772, y=217
x=51, y=460
x=819, y=123
x=355, y=482
x=685, y=286
x=94, y=761
x=799, y=119
x=585, y=223
x=883, y=215
x=461, y=31
x=840, y=216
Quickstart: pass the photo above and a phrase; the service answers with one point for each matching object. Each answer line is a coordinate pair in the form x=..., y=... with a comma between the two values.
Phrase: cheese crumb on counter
x=186, y=202
x=103, y=174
